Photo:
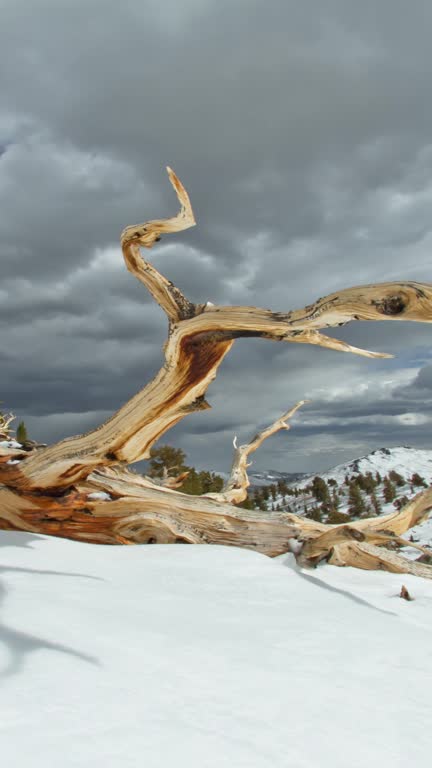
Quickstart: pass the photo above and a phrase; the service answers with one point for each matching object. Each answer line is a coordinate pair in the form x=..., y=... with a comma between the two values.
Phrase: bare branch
x=169, y=481
x=5, y=420
x=168, y=296
x=369, y=557
x=376, y=538
x=385, y=301
x=314, y=337
x=235, y=489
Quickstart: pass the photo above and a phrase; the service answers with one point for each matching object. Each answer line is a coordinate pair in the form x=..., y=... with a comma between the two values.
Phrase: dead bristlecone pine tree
x=80, y=487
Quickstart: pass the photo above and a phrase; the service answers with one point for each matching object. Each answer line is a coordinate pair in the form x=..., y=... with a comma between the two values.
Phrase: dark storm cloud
x=302, y=131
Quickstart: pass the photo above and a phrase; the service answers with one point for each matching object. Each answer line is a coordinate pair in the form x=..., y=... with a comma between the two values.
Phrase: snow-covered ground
x=207, y=657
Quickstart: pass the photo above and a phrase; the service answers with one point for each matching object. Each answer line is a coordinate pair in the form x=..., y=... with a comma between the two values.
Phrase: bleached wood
x=369, y=557
x=140, y=512
x=6, y=420
x=235, y=488
x=167, y=295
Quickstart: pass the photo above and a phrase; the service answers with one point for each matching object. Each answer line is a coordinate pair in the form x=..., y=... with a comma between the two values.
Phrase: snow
x=10, y=444
x=206, y=656
x=101, y=495
x=422, y=534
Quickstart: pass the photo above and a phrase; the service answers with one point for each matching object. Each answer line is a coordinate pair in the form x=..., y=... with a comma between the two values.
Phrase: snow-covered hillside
x=402, y=459
x=184, y=656
x=298, y=497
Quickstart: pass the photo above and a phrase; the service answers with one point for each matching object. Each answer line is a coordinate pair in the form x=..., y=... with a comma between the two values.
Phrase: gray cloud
x=302, y=132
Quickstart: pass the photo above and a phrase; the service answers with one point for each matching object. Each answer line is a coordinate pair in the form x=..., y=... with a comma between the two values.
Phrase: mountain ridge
x=403, y=459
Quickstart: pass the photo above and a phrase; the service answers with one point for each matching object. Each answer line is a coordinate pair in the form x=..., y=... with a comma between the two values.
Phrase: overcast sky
x=303, y=133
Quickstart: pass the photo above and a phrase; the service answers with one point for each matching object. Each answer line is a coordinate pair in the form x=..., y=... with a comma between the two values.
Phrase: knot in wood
x=391, y=305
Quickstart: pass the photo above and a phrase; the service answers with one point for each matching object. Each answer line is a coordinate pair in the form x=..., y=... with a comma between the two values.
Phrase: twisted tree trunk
x=81, y=488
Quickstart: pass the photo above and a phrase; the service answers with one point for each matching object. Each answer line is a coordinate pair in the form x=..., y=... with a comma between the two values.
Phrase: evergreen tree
x=356, y=505
x=396, y=478
x=320, y=489
x=210, y=481
x=389, y=492
x=247, y=504
x=369, y=483
x=314, y=513
x=375, y=503
x=417, y=480
x=336, y=518
x=335, y=503
x=282, y=487
x=401, y=502
x=21, y=433
x=360, y=481
x=192, y=484
x=260, y=500
x=378, y=478
x=173, y=459
x=257, y=497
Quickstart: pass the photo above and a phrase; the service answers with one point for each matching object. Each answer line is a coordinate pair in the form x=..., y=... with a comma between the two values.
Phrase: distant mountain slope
x=402, y=459
x=299, y=498
x=264, y=477
x=270, y=476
